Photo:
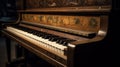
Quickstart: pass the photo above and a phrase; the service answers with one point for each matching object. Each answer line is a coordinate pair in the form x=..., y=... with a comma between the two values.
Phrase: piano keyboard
x=56, y=44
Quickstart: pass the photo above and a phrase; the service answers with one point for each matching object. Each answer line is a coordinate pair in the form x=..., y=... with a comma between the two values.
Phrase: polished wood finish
x=70, y=21
x=88, y=9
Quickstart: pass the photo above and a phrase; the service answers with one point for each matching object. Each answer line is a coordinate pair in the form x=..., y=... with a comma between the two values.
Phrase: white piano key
x=48, y=44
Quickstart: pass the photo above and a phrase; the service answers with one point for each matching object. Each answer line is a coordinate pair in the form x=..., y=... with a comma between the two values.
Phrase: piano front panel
x=77, y=23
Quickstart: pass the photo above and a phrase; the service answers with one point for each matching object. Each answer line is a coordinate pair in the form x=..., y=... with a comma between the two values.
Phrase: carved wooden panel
x=83, y=23
x=33, y=4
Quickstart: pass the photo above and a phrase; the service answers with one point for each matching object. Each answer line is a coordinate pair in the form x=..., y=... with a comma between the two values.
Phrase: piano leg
x=8, y=47
x=19, y=61
x=19, y=51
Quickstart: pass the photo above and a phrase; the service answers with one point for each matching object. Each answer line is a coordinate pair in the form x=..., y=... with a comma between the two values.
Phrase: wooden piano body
x=77, y=30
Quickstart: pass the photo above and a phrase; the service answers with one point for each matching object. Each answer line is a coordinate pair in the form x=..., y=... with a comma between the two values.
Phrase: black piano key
x=65, y=43
x=52, y=39
x=48, y=36
x=60, y=40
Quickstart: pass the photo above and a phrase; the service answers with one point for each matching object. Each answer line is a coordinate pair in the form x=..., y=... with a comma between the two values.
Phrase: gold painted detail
x=93, y=22
x=86, y=23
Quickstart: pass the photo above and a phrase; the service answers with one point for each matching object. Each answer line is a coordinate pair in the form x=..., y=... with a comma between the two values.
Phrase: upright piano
x=65, y=33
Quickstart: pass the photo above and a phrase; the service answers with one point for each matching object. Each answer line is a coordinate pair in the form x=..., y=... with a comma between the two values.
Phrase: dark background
x=7, y=8
x=113, y=34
